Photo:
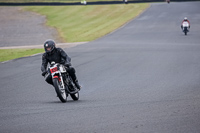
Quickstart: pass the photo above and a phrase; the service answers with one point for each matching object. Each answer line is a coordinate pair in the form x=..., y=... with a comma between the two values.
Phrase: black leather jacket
x=58, y=55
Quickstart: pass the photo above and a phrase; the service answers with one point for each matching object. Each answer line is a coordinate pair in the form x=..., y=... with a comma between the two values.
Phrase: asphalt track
x=142, y=78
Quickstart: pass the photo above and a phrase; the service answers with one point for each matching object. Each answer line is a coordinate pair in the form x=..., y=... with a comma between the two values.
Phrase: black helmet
x=49, y=46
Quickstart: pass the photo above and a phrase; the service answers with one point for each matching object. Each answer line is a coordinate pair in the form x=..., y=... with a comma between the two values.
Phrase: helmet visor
x=48, y=49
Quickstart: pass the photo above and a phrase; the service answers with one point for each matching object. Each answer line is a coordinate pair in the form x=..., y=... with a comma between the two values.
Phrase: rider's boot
x=71, y=71
x=77, y=84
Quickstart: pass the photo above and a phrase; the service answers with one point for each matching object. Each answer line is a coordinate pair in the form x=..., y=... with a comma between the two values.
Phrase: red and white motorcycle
x=62, y=82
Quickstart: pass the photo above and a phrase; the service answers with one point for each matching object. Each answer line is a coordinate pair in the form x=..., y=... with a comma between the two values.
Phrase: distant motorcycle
x=185, y=27
x=168, y=1
x=62, y=82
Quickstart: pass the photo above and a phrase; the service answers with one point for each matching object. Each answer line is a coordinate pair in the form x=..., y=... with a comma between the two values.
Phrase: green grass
x=9, y=54
x=79, y=23
x=87, y=23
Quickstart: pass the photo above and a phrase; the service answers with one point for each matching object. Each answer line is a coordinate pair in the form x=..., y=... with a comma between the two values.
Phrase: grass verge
x=9, y=54
x=79, y=23
x=87, y=23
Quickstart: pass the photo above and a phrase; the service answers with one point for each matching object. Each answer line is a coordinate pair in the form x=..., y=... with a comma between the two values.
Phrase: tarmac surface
x=142, y=78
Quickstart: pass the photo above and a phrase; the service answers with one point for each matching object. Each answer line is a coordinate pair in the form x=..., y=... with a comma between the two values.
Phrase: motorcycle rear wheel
x=60, y=91
x=75, y=96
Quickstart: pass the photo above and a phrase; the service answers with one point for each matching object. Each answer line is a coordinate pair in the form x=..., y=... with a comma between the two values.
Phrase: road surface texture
x=142, y=78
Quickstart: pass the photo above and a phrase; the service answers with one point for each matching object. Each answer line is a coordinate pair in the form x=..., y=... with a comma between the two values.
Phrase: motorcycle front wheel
x=185, y=32
x=60, y=90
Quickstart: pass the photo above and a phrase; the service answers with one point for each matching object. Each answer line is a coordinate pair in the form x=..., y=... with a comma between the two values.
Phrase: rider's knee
x=71, y=70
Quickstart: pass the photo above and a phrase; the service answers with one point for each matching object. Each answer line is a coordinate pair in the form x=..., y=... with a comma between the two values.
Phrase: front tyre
x=60, y=90
x=185, y=32
x=75, y=96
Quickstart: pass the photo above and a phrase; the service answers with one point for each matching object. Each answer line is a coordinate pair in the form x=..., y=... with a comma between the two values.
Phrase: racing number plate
x=54, y=69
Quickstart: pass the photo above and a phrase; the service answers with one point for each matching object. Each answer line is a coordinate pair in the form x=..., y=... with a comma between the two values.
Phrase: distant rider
x=57, y=55
x=185, y=20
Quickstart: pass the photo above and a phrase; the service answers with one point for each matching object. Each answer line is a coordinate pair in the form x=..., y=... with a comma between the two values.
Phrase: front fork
x=60, y=78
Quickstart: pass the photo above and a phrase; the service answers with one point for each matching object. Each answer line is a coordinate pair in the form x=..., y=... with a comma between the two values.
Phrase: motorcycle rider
x=168, y=1
x=185, y=20
x=57, y=55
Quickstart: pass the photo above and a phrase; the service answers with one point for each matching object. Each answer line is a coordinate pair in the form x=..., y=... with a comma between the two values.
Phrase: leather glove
x=43, y=73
